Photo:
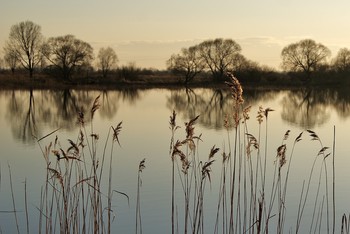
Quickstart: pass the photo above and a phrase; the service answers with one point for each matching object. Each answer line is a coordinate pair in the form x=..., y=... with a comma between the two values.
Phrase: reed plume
x=236, y=89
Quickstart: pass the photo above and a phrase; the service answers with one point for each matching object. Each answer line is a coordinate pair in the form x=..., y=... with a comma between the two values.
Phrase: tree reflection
x=341, y=102
x=21, y=113
x=28, y=111
x=59, y=108
x=129, y=95
x=306, y=108
x=211, y=104
x=109, y=104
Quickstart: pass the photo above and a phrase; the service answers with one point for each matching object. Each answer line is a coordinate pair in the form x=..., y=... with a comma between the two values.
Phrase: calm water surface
x=145, y=134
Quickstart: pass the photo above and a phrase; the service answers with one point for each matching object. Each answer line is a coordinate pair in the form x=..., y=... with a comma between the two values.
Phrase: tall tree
x=305, y=55
x=342, y=61
x=25, y=41
x=219, y=55
x=107, y=59
x=188, y=63
x=67, y=53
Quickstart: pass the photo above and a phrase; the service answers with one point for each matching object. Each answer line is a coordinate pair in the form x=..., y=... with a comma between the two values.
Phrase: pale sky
x=148, y=32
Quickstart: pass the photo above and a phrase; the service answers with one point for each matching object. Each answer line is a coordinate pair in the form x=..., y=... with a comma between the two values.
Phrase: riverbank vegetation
x=30, y=60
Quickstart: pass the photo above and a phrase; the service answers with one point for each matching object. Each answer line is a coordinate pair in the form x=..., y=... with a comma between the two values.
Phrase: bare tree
x=306, y=56
x=2, y=63
x=11, y=59
x=219, y=55
x=188, y=63
x=240, y=63
x=68, y=53
x=25, y=41
x=107, y=59
x=129, y=71
x=342, y=61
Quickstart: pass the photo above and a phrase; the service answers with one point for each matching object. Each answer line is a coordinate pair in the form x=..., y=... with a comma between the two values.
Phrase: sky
x=148, y=32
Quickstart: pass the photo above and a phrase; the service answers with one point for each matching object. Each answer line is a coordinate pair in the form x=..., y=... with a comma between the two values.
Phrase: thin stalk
x=109, y=187
x=232, y=196
x=173, y=197
x=301, y=211
x=138, y=217
x=26, y=204
x=333, y=177
x=13, y=199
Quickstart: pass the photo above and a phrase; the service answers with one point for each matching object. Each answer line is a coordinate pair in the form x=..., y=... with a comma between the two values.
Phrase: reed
x=192, y=174
x=138, y=224
x=255, y=199
x=173, y=151
x=13, y=200
x=252, y=195
x=73, y=198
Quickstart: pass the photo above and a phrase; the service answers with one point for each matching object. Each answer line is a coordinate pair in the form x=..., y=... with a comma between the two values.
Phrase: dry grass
x=73, y=199
x=248, y=200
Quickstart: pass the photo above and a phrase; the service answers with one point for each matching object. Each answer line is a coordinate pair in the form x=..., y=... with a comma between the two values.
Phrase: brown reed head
x=213, y=151
x=286, y=135
x=236, y=89
x=172, y=121
x=226, y=122
x=190, y=127
x=281, y=154
x=57, y=175
x=142, y=165
x=245, y=113
x=183, y=158
x=116, y=132
x=267, y=110
x=313, y=135
x=73, y=147
x=260, y=116
x=95, y=106
x=206, y=170
x=81, y=117
x=252, y=141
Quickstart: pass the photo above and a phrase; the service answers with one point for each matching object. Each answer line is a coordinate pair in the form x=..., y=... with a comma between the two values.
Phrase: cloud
x=265, y=41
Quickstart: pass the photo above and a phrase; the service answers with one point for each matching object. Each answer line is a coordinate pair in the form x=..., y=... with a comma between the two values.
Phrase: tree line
x=303, y=59
x=66, y=55
x=27, y=48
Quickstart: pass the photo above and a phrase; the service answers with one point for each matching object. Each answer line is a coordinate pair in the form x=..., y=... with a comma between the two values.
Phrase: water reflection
x=309, y=108
x=21, y=114
x=212, y=104
x=29, y=110
x=341, y=102
x=305, y=108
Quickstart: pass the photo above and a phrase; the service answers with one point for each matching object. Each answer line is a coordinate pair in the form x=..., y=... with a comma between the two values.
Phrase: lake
x=29, y=115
